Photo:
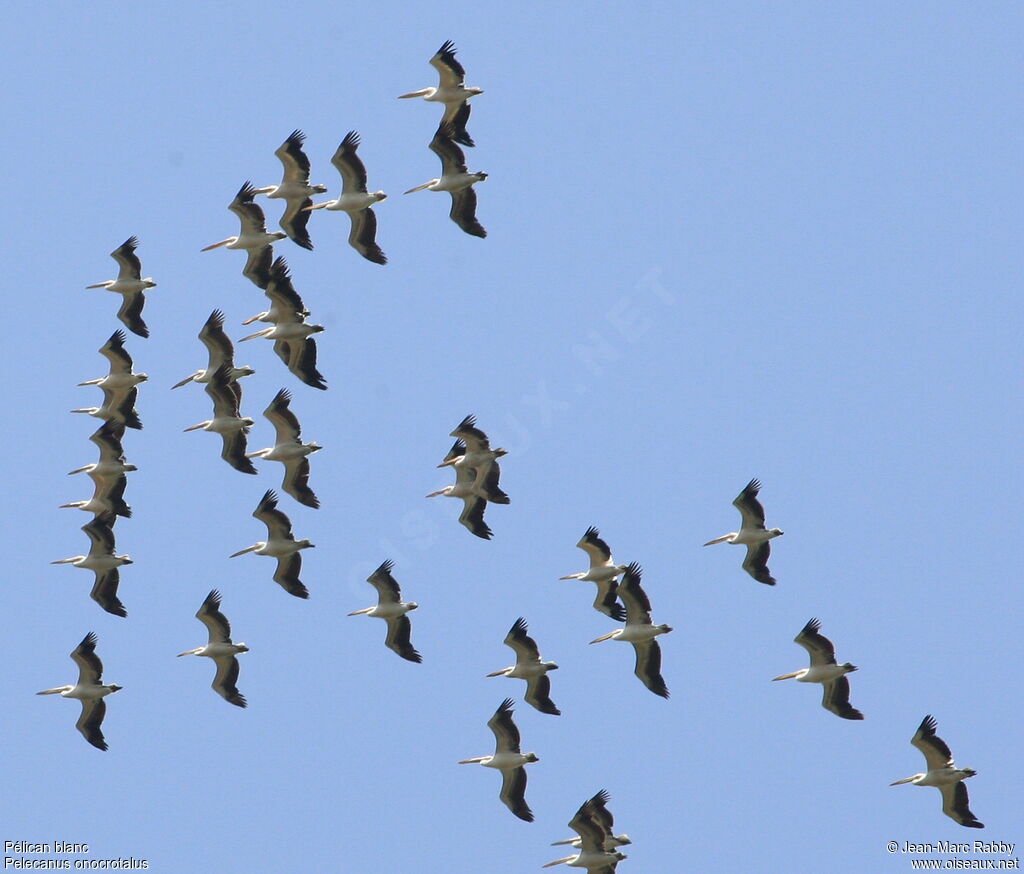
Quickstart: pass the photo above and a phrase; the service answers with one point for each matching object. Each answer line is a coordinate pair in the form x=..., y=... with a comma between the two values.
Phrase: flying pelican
x=117, y=407
x=253, y=237
x=107, y=497
x=590, y=824
x=220, y=352
x=227, y=421
x=89, y=690
x=220, y=649
x=289, y=450
x=451, y=91
x=603, y=571
x=104, y=563
x=529, y=667
x=294, y=188
x=473, y=498
x=752, y=534
x=835, y=694
x=111, y=464
x=130, y=285
x=356, y=200
x=640, y=631
x=509, y=760
x=456, y=180
x=473, y=449
x=600, y=814
x=280, y=544
x=120, y=376
x=942, y=773
x=392, y=609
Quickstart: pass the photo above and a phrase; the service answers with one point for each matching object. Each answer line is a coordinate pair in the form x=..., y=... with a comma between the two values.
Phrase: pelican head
x=531, y=757
x=775, y=532
x=412, y=605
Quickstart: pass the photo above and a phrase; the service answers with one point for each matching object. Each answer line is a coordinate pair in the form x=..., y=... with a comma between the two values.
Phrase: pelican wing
x=458, y=450
x=104, y=591
x=473, y=517
x=108, y=440
x=453, y=159
x=234, y=444
x=455, y=118
x=113, y=350
x=90, y=668
x=835, y=697
x=388, y=590
x=607, y=600
x=749, y=506
x=399, y=638
x=302, y=363
x=100, y=532
x=956, y=804
x=257, y=265
x=287, y=575
x=487, y=478
x=449, y=70
x=513, y=793
x=250, y=214
x=936, y=753
x=286, y=425
x=363, y=235
x=279, y=526
x=294, y=220
x=634, y=598
x=538, y=695
x=475, y=439
x=296, y=482
x=820, y=647
x=284, y=299
x=130, y=313
x=648, y=666
x=128, y=263
x=218, y=346
x=588, y=828
x=225, y=401
x=597, y=550
x=350, y=165
x=506, y=734
x=756, y=562
x=226, y=679
x=216, y=623
x=463, y=211
x=91, y=721
x=291, y=155
x=525, y=647
x=600, y=813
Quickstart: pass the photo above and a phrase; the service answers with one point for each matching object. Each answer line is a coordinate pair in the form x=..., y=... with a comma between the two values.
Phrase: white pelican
x=289, y=450
x=942, y=773
x=392, y=609
x=107, y=497
x=599, y=813
x=253, y=237
x=356, y=200
x=112, y=463
x=835, y=694
x=590, y=824
x=451, y=91
x=227, y=421
x=294, y=188
x=220, y=649
x=130, y=285
x=220, y=352
x=280, y=544
x=120, y=376
x=509, y=760
x=457, y=181
x=473, y=449
x=117, y=407
x=640, y=631
x=529, y=667
x=752, y=534
x=103, y=562
x=473, y=498
x=89, y=690
x=602, y=571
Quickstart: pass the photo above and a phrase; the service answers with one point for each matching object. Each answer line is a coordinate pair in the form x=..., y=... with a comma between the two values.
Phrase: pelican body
x=943, y=774
x=220, y=649
x=130, y=285
x=392, y=609
x=89, y=690
x=509, y=760
x=640, y=631
x=529, y=667
x=752, y=534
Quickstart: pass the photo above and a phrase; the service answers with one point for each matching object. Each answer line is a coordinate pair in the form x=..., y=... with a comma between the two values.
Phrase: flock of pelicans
x=620, y=595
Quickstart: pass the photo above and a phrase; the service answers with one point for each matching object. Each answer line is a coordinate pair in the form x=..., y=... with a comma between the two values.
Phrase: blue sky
x=726, y=240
